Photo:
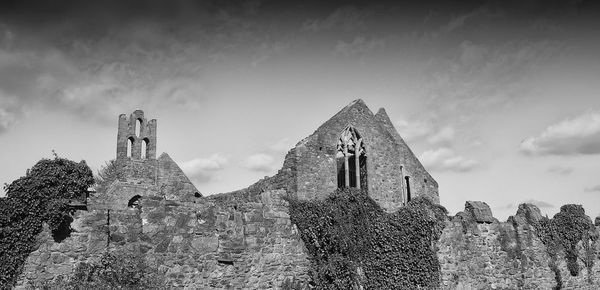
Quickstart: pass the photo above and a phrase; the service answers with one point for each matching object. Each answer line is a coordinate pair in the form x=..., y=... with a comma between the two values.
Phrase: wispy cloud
x=10, y=111
x=413, y=130
x=259, y=162
x=346, y=18
x=358, y=46
x=444, y=159
x=478, y=76
x=443, y=135
x=561, y=170
x=103, y=66
x=540, y=204
x=460, y=21
x=576, y=136
x=202, y=170
x=426, y=130
x=592, y=189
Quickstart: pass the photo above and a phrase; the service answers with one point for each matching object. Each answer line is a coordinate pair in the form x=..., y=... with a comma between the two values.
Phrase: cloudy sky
x=500, y=99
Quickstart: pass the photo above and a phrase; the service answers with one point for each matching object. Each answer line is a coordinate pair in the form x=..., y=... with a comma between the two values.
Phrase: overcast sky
x=499, y=99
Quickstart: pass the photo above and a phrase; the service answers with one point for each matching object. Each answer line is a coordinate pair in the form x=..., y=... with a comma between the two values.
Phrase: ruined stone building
x=241, y=239
x=244, y=239
x=386, y=166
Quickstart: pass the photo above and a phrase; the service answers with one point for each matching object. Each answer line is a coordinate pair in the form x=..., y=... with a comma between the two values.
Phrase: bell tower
x=136, y=137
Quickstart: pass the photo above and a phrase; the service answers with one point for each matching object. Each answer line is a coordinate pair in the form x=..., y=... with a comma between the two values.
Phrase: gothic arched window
x=351, y=159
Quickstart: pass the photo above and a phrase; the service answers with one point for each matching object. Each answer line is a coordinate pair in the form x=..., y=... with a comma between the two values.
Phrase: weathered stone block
x=480, y=211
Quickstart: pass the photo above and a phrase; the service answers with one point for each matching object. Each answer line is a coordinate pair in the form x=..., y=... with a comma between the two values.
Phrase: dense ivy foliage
x=562, y=233
x=352, y=242
x=41, y=196
x=115, y=270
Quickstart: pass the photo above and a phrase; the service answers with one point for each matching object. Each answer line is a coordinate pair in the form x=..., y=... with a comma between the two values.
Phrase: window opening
x=138, y=127
x=144, y=152
x=351, y=159
x=225, y=261
x=129, y=146
x=135, y=202
x=407, y=178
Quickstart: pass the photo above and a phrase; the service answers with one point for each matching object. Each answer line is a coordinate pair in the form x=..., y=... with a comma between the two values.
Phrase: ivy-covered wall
x=478, y=252
x=353, y=243
x=242, y=239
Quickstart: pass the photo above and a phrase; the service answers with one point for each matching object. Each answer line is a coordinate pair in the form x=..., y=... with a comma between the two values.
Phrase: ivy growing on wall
x=112, y=170
x=562, y=233
x=352, y=242
x=114, y=270
x=41, y=196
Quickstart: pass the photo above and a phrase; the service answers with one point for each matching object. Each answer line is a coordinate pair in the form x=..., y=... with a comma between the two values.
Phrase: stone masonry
x=245, y=240
x=476, y=251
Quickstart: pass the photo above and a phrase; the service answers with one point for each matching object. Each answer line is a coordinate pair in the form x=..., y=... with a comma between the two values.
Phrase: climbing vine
x=115, y=270
x=562, y=233
x=41, y=196
x=353, y=243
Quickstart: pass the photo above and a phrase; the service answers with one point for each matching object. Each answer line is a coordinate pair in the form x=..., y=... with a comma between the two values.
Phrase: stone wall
x=127, y=131
x=422, y=182
x=387, y=158
x=237, y=240
x=248, y=243
x=240, y=240
x=173, y=183
x=478, y=252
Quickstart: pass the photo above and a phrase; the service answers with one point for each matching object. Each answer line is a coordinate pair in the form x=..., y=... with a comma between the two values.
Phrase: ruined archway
x=351, y=159
x=135, y=202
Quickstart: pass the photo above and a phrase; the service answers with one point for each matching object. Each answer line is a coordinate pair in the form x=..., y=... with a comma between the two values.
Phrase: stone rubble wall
x=237, y=240
x=478, y=252
x=247, y=244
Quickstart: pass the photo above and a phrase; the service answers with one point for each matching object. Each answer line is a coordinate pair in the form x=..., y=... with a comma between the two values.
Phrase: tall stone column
x=346, y=167
x=357, y=161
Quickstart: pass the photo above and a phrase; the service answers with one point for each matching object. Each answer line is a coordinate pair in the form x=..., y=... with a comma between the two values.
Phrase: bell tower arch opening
x=138, y=127
x=129, y=146
x=144, y=151
x=351, y=160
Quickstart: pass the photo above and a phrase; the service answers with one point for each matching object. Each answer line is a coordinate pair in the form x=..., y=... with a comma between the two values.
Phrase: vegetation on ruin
x=562, y=233
x=111, y=171
x=353, y=242
x=114, y=270
x=41, y=196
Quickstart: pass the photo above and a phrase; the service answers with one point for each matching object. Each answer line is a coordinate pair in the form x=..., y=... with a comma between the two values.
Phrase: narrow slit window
x=407, y=178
